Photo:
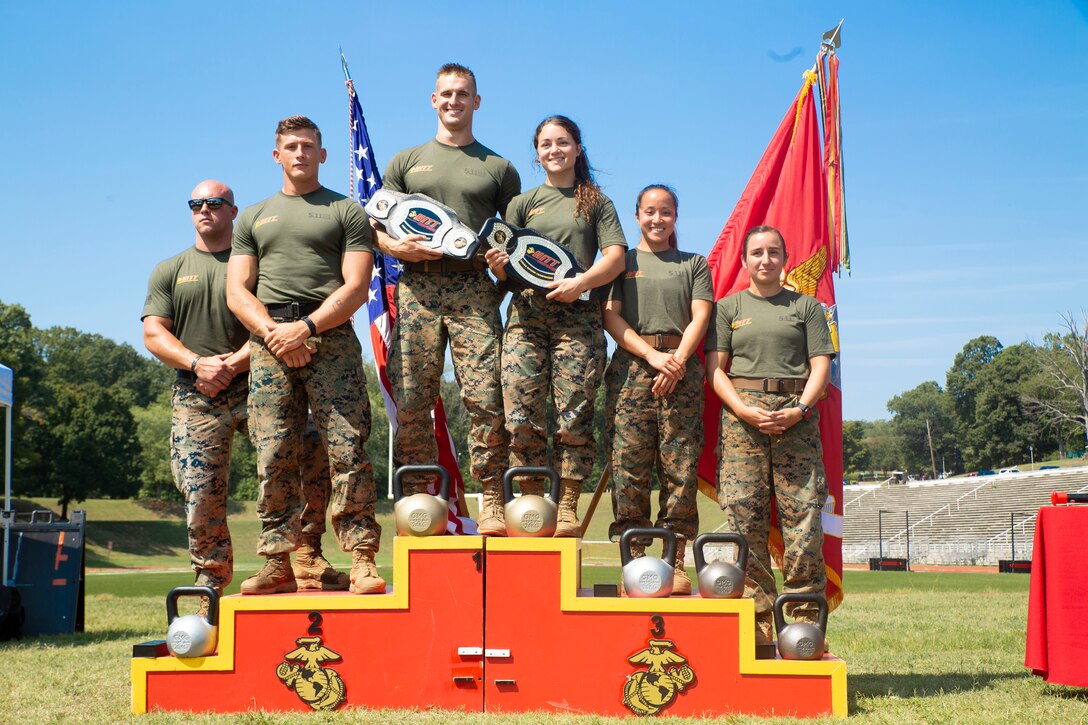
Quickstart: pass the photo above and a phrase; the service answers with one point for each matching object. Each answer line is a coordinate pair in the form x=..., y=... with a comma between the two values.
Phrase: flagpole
x=351, y=183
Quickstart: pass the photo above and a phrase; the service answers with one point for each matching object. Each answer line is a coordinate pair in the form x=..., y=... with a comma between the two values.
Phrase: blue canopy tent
x=7, y=384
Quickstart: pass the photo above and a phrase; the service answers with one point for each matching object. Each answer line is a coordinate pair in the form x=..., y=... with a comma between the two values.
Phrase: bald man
x=188, y=326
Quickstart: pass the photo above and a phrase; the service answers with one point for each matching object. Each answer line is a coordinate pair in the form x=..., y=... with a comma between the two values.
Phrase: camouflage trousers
x=463, y=309
x=333, y=386
x=202, y=431
x=551, y=350
x=753, y=469
x=645, y=433
x=201, y=434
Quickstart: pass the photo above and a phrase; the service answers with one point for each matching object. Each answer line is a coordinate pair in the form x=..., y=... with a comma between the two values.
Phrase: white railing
x=853, y=501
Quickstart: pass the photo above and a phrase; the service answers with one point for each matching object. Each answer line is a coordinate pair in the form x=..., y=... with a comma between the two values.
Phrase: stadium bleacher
x=956, y=521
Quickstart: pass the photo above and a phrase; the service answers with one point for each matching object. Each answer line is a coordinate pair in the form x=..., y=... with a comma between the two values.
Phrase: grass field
x=920, y=647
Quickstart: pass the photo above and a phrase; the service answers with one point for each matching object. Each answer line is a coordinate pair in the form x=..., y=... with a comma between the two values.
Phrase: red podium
x=498, y=626
x=1057, y=640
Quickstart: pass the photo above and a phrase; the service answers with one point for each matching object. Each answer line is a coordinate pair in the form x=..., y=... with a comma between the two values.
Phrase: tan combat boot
x=275, y=578
x=492, y=520
x=681, y=584
x=567, y=525
x=206, y=603
x=364, y=575
x=765, y=647
x=313, y=571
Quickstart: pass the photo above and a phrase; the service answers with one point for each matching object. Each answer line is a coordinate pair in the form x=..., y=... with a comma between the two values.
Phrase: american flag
x=365, y=180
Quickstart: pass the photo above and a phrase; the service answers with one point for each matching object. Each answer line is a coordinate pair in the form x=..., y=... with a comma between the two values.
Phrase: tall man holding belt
x=441, y=299
x=299, y=270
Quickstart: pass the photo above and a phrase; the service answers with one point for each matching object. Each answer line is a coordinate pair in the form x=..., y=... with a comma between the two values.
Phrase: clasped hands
x=213, y=374
x=771, y=422
x=287, y=341
x=670, y=371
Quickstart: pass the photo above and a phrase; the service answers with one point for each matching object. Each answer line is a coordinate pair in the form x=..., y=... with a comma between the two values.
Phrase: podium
x=495, y=625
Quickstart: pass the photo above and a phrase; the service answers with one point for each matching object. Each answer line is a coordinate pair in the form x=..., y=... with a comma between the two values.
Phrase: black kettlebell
x=421, y=514
x=530, y=515
x=648, y=576
x=192, y=635
x=721, y=579
x=801, y=640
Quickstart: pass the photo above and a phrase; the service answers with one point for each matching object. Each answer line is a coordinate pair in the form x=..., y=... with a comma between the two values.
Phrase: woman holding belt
x=553, y=347
x=769, y=360
x=657, y=312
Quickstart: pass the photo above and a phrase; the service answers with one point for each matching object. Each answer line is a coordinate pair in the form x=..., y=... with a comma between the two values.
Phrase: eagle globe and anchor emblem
x=303, y=671
x=667, y=673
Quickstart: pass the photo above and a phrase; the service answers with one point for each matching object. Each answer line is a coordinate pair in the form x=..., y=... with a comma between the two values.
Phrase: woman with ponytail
x=553, y=347
x=657, y=311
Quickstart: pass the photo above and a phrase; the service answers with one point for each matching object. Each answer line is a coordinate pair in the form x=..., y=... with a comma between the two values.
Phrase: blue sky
x=964, y=128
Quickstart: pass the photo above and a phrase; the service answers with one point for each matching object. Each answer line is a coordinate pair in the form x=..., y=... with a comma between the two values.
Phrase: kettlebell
x=530, y=515
x=192, y=635
x=721, y=579
x=647, y=576
x=421, y=514
x=801, y=640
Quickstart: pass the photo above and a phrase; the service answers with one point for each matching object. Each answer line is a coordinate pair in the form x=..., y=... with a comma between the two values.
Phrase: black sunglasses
x=213, y=203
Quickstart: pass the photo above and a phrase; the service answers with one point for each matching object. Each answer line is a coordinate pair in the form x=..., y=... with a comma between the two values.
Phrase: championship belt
x=535, y=260
x=405, y=214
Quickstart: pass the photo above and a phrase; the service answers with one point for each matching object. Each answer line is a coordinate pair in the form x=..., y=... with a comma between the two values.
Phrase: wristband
x=310, y=324
x=192, y=365
x=806, y=410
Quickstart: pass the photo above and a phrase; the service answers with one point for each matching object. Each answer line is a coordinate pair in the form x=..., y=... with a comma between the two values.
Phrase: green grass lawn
x=919, y=647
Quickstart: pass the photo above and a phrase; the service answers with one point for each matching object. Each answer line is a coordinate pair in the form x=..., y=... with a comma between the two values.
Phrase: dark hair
x=456, y=69
x=760, y=230
x=295, y=123
x=675, y=203
x=586, y=191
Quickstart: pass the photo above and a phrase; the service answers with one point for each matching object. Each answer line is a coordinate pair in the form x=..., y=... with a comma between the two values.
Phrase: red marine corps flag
x=789, y=190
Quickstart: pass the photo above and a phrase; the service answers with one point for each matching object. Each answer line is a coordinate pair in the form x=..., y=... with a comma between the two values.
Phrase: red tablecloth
x=1057, y=643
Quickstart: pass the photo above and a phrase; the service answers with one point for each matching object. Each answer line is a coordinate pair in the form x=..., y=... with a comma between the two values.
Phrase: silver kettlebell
x=721, y=579
x=530, y=515
x=421, y=514
x=192, y=635
x=801, y=640
x=647, y=576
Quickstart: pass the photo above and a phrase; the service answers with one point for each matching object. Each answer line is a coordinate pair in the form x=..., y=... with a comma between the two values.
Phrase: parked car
x=986, y=472
x=1006, y=471
x=1049, y=468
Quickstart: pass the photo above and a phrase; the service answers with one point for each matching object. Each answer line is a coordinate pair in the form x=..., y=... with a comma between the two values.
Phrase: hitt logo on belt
x=407, y=214
x=535, y=260
x=420, y=221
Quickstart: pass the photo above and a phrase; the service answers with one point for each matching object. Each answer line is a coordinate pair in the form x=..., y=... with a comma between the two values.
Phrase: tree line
x=998, y=406
x=91, y=416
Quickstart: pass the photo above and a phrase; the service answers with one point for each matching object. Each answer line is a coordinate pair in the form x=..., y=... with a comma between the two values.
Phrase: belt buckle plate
x=405, y=214
x=535, y=260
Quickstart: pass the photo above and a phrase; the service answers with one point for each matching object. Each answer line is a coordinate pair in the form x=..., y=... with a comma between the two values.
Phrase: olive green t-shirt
x=551, y=211
x=472, y=180
x=299, y=243
x=769, y=337
x=657, y=289
x=190, y=290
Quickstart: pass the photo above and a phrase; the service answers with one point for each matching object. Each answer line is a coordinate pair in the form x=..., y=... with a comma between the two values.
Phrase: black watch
x=806, y=410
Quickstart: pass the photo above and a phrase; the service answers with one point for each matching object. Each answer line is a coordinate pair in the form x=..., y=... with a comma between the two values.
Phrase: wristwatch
x=806, y=410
